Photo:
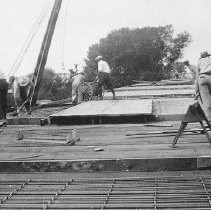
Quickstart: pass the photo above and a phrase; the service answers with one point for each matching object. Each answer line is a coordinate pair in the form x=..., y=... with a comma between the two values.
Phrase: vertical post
x=42, y=58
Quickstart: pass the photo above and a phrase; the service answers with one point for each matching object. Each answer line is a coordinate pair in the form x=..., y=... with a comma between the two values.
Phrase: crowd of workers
x=22, y=85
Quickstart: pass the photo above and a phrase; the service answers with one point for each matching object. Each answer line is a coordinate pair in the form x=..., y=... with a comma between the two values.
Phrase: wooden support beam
x=42, y=58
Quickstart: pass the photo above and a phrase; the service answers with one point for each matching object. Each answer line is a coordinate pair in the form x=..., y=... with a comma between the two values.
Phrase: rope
x=64, y=33
x=28, y=41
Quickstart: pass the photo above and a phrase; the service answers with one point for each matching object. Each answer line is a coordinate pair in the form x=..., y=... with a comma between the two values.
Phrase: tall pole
x=42, y=58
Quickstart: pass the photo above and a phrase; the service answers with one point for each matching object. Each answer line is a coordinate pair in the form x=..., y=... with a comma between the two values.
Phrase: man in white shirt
x=203, y=82
x=103, y=76
x=190, y=71
x=3, y=96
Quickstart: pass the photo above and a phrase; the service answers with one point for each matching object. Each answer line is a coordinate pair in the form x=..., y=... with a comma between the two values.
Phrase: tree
x=138, y=54
x=53, y=86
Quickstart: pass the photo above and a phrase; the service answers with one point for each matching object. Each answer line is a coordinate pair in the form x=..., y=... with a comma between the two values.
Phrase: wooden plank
x=161, y=88
x=155, y=93
x=195, y=131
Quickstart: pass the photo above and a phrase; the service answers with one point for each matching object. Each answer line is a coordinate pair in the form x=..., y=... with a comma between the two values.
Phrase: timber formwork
x=171, y=192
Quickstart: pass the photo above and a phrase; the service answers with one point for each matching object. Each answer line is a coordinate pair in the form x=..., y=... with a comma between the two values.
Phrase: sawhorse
x=193, y=114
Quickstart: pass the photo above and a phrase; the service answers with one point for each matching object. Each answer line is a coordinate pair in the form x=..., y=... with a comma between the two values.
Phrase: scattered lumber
x=3, y=124
x=158, y=125
x=99, y=149
x=69, y=139
x=54, y=104
x=164, y=132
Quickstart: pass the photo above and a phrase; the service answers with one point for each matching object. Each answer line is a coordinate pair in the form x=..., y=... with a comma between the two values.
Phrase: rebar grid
x=101, y=193
x=56, y=195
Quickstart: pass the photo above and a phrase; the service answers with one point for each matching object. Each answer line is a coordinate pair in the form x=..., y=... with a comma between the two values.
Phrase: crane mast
x=42, y=58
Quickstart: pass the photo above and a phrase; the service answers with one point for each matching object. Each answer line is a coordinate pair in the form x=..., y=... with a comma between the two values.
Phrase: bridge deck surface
x=115, y=142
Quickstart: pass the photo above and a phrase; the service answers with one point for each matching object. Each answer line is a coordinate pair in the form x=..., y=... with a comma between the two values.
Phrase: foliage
x=138, y=54
x=53, y=86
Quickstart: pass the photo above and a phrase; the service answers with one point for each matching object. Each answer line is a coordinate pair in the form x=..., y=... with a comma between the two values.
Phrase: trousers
x=105, y=79
x=3, y=98
x=20, y=95
x=204, y=83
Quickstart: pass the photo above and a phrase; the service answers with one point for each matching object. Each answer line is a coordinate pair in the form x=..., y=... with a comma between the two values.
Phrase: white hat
x=204, y=54
x=98, y=57
x=80, y=69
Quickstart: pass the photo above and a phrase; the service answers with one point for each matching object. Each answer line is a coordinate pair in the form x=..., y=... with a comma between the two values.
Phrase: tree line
x=148, y=53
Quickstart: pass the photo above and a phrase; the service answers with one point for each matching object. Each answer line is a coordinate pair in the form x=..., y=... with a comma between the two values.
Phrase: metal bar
x=107, y=197
x=110, y=193
x=155, y=195
x=15, y=191
x=57, y=195
x=207, y=193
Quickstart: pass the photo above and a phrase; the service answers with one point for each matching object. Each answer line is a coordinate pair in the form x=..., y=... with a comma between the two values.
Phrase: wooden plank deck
x=150, y=94
x=152, y=91
x=155, y=87
x=149, y=151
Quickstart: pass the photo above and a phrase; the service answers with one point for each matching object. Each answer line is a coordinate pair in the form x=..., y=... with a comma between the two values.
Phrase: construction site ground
x=107, y=165
x=110, y=147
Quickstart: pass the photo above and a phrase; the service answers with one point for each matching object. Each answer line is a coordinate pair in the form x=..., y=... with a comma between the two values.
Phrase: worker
x=190, y=71
x=78, y=77
x=21, y=90
x=3, y=96
x=203, y=82
x=104, y=75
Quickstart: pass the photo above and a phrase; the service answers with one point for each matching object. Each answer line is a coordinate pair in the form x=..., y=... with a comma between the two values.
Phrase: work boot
x=3, y=122
x=15, y=113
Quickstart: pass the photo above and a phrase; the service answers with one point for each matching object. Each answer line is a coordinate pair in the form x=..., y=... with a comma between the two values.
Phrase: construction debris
x=20, y=135
x=71, y=138
x=99, y=149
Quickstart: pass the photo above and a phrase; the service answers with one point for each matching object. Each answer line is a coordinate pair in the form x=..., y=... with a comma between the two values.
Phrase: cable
x=64, y=34
x=28, y=41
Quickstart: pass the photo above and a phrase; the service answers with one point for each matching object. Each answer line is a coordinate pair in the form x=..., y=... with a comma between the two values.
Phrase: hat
x=186, y=63
x=204, y=54
x=98, y=57
x=23, y=81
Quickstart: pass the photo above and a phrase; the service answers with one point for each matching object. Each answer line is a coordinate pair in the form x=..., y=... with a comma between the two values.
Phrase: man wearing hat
x=3, y=96
x=21, y=90
x=203, y=82
x=77, y=77
x=103, y=76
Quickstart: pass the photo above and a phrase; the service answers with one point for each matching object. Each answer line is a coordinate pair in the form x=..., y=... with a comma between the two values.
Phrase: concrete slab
x=108, y=108
x=171, y=108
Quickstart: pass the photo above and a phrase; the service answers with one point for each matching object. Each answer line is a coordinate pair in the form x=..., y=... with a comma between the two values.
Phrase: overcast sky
x=89, y=20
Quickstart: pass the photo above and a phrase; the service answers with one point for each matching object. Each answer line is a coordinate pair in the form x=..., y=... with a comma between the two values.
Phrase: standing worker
x=104, y=75
x=190, y=71
x=3, y=96
x=77, y=77
x=21, y=90
x=203, y=82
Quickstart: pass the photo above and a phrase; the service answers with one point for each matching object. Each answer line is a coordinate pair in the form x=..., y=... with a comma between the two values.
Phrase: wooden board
x=108, y=108
x=150, y=93
x=165, y=87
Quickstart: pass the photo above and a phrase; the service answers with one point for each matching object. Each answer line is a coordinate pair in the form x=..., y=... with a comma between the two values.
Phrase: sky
x=82, y=23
